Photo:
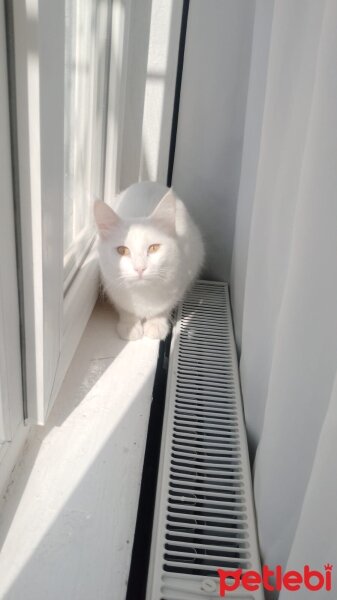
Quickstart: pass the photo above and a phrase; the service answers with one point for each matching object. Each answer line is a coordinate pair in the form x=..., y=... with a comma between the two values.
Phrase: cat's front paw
x=157, y=328
x=130, y=330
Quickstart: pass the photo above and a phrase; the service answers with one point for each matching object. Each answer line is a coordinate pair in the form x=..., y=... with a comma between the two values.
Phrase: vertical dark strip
x=9, y=23
x=143, y=533
x=180, y=66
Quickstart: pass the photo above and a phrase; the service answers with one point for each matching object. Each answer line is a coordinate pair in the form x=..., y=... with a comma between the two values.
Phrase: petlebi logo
x=276, y=579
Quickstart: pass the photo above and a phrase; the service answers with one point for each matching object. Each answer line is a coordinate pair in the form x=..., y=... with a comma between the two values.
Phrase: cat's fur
x=143, y=286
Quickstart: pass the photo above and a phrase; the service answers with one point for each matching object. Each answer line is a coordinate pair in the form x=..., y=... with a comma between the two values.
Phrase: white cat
x=150, y=251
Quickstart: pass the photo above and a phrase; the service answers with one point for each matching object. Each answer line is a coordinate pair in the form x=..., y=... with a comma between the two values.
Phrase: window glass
x=87, y=48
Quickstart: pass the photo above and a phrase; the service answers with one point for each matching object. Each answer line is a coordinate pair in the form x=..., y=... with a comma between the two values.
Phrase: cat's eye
x=153, y=248
x=123, y=250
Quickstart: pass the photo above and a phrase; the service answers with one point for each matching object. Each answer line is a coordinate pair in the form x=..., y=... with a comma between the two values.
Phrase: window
x=11, y=405
x=87, y=44
x=61, y=53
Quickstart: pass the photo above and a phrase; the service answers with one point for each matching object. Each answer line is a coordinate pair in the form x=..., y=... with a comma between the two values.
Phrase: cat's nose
x=140, y=270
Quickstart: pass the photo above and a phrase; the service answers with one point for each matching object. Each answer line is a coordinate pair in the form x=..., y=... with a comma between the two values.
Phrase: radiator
x=204, y=515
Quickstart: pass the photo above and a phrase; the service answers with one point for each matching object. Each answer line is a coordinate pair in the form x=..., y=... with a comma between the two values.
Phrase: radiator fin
x=204, y=518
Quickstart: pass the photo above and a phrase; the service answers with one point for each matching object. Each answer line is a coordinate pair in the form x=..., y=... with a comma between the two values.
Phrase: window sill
x=69, y=512
x=77, y=308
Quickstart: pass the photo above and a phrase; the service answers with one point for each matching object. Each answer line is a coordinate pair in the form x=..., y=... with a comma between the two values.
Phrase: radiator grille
x=204, y=517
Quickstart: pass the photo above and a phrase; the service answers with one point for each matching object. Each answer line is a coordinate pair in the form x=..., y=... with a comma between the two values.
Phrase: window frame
x=11, y=399
x=55, y=309
x=50, y=341
x=40, y=173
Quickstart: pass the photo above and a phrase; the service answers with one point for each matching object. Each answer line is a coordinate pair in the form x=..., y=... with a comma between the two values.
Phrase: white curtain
x=284, y=281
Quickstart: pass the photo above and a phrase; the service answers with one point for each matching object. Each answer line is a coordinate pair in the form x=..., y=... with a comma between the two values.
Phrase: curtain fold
x=284, y=281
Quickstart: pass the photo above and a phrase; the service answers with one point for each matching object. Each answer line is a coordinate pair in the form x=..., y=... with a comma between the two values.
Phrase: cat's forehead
x=141, y=234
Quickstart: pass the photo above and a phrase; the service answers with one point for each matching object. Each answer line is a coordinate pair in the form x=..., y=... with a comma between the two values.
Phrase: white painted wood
x=10, y=453
x=29, y=175
x=211, y=121
x=150, y=89
x=49, y=339
x=120, y=34
x=40, y=171
x=78, y=305
x=68, y=516
x=11, y=407
x=160, y=89
x=51, y=32
x=140, y=20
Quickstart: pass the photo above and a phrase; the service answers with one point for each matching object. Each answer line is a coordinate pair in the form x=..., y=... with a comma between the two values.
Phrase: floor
x=68, y=516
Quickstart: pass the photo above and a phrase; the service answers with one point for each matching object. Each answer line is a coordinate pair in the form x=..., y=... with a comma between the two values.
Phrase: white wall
x=211, y=121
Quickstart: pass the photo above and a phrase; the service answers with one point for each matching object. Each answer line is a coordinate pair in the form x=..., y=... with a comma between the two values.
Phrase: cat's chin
x=139, y=281
x=130, y=281
x=142, y=280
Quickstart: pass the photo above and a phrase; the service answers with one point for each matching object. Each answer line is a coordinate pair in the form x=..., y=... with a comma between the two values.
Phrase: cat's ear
x=106, y=219
x=165, y=213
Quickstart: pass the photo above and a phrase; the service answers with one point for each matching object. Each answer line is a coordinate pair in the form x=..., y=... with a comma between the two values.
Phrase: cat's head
x=139, y=250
